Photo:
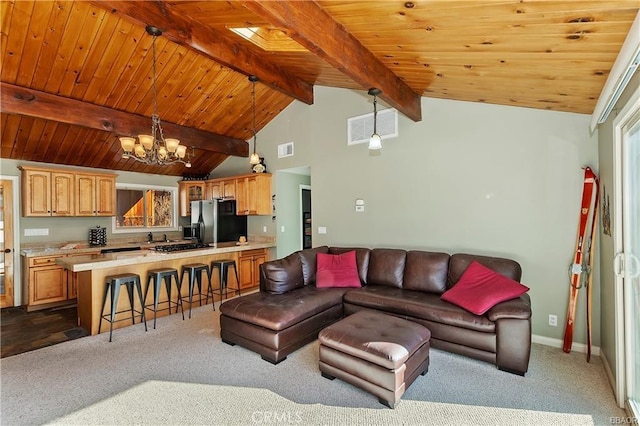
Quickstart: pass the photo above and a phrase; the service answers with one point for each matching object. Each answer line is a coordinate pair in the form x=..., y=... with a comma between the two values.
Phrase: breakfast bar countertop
x=94, y=261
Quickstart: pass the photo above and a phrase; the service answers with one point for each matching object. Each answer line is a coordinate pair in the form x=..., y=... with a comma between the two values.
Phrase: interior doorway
x=7, y=247
x=305, y=208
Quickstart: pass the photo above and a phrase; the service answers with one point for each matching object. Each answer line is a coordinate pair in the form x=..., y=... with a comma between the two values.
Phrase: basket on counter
x=98, y=236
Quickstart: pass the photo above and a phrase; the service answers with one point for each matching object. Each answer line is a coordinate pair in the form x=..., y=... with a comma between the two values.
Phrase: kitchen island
x=92, y=269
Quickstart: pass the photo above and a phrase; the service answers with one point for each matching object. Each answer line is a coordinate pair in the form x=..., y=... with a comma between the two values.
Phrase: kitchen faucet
x=150, y=236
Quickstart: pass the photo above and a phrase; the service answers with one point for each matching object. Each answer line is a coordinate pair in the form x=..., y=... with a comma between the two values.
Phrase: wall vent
x=360, y=128
x=285, y=150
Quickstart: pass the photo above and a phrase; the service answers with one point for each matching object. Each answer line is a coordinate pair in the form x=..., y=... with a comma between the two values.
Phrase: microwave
x=190, y=231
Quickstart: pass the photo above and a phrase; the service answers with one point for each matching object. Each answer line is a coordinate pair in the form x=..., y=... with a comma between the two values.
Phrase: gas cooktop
x=181, y=247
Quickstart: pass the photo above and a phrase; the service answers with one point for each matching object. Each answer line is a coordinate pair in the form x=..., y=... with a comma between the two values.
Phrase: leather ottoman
x=378, y=353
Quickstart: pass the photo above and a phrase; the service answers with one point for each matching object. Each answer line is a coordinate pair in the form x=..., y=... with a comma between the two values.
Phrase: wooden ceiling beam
x=215, y=44
x=311, y=26
x=33, y=103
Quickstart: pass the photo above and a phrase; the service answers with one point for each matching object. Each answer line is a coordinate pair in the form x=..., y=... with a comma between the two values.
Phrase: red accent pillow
x=337, y=270
x=480, y=289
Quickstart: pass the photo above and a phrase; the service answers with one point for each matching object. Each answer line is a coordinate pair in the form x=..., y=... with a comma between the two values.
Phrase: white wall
x=469, y=177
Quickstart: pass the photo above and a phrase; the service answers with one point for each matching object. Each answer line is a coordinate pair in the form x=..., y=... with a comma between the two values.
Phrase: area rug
x=171, y=403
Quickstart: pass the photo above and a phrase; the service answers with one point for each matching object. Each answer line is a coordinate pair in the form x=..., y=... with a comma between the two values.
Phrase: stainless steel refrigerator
x=215, y=221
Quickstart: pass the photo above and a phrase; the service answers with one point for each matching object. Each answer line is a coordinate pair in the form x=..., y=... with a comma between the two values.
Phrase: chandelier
x=154, y=149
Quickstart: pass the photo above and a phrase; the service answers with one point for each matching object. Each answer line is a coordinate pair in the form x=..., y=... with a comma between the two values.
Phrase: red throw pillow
x=480, y=288
x=337, y=270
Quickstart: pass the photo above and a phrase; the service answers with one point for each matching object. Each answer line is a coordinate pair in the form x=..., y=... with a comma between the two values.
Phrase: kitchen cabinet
x=253, y=194
x=220, y=188
x=59, y=192
x=95, y=195
x=249, y=262
x=189, y=191
x=49, y=284
x=47, y=192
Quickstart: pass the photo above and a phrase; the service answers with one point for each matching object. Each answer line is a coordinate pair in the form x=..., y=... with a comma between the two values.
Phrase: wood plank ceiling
x=77, y=74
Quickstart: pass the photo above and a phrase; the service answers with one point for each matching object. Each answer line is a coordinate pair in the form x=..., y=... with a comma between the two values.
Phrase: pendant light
x=255, y=158
x=375, y=142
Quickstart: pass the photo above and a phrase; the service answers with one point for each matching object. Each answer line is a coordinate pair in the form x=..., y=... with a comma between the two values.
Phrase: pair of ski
x=582, y=265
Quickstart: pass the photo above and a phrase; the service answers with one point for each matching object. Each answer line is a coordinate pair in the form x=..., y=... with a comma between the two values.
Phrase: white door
x=627, y=246
x=631, y=259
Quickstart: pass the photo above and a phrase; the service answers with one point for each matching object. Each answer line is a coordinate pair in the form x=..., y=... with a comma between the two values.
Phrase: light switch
x=322, y=229
x=264, y=228
x=282, y=228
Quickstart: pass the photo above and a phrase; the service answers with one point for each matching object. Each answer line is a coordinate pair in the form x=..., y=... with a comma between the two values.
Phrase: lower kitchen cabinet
x=249, y=262
x=48, y=284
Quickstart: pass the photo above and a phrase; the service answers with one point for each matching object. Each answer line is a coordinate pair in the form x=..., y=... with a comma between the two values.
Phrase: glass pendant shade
x=375, y=142
x=127, y=143
x=146, y=141
x=172, y=144
x=139, y=151
x=181, y=151
x=254, y=159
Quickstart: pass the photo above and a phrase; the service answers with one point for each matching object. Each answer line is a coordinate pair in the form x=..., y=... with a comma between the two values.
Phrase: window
x=144, y=208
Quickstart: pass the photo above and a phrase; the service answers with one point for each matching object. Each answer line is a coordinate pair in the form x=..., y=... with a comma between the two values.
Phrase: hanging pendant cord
x=375, y=113
x=253, y=96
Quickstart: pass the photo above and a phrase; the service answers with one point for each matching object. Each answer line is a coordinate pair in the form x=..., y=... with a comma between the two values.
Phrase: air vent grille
x=285, y=150
x=360, y=128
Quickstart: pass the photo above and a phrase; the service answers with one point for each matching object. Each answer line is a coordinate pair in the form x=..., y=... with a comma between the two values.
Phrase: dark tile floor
x=22, y=331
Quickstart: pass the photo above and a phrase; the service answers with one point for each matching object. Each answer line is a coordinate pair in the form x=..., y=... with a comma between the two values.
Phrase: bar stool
x=155, y=277
x=113, y=284
x=223, y=273
x=194, y=271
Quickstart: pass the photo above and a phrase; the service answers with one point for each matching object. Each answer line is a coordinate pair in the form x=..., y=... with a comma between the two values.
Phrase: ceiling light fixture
x=255, y=158
x=375, y=142
x=154, y=149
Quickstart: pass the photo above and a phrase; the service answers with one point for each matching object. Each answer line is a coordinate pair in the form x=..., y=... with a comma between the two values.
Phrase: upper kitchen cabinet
x=220, y=188
x=95, y=195
x=253, y=194
x=47, y=192
x=58, y=192
x=188, y=191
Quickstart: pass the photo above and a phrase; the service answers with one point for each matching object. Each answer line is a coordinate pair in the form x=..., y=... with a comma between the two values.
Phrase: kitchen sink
x=119, y=249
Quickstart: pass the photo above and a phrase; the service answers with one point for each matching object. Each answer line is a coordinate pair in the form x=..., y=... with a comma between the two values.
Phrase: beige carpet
x=182, y=374
x=167, y=403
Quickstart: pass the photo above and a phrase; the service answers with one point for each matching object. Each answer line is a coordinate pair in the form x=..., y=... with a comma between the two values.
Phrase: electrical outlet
x=553, y=320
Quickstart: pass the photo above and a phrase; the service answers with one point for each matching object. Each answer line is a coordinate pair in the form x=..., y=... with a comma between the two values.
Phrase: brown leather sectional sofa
x=289, y=311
